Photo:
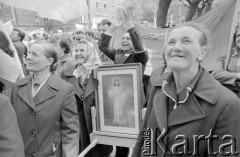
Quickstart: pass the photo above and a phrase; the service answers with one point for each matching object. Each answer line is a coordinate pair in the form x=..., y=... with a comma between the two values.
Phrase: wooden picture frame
x=119, y=99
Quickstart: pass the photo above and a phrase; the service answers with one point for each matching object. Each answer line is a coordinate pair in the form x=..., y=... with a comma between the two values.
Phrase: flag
x=9, y=70
x=16, y=58
x=220, y=21
x=8, y=26
x=62, y=10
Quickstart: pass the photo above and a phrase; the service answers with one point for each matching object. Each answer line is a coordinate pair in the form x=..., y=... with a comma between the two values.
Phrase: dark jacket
x=21, y=50
x=11, y=143
x=85, y=97
x=121, y=57
x=49, y=122
x=210, y=109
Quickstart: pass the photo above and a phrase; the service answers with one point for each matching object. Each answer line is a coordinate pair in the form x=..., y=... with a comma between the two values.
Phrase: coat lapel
x=48, y=90
x=91, y=86
x=25, y=91
x=120, y=58
x=160, y=110
x=68, y=76
x=186, y=112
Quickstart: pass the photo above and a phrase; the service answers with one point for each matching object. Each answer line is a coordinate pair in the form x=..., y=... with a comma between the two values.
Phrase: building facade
x=30, y=20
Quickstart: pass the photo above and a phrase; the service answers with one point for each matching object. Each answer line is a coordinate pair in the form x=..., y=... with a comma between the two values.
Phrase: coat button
x=33, y=134
x=34, y=113
x=33, y=154
x=82, y=97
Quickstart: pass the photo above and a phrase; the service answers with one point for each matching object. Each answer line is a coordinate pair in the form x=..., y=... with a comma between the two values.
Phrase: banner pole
x=232, y=33
x=86, y=150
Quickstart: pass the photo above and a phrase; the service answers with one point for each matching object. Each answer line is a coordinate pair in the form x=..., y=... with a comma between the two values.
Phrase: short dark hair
x=64, y=42
x=5, y=44
x=79, y=32
x=90, y=33
x=51, y=52
x=21, y=33
x=105, y=21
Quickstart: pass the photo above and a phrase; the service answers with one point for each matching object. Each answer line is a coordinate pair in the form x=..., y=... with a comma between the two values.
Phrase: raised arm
x=105, y=40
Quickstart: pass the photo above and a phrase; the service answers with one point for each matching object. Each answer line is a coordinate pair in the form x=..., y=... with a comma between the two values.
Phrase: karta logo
x=226, y=144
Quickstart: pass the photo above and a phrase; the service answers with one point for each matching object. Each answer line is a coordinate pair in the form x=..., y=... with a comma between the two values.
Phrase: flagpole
x=231, y=33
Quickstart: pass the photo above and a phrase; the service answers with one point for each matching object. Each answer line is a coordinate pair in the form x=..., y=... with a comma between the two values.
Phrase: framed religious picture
x=119, y=99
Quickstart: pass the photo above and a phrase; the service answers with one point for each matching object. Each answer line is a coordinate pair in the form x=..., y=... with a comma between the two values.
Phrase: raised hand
x=127, y=16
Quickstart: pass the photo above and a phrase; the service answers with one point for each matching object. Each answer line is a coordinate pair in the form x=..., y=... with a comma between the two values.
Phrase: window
x=105, y=6
x=36, y=18
x=97, y=5
x=45, y=20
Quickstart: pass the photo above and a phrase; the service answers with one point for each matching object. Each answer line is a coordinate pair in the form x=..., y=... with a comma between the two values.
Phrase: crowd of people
x=48, y=112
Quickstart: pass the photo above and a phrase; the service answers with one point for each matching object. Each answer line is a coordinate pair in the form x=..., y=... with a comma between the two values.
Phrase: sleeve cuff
x=109, y=34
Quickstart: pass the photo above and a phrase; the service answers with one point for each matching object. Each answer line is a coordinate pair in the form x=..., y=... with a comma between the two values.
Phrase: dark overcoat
x=11, y=143
x=49, y=122
x=85, y=96
x=210, y=110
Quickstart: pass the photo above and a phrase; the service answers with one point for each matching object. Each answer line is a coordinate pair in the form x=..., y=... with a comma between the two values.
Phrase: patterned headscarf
x=92, y=61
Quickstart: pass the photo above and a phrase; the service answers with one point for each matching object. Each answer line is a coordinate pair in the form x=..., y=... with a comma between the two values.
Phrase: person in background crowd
x=46, y=107
x=81, y=76
x=11, y=143
x=231, y=76
x=132, y=51
x=103, y=26
x=81, y=34
x=185, y=103
x=17, y=37
x=65, y=58
x=90, y=37
x=5, y=44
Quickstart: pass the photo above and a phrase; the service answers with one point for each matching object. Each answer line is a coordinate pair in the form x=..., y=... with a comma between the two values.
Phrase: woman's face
x=36, y=60
x=183, y=50
x=237, y=40
x=81, y=53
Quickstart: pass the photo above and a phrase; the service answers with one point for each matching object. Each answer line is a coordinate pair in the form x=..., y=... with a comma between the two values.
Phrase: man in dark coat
x=17, y=37
x=132, y=51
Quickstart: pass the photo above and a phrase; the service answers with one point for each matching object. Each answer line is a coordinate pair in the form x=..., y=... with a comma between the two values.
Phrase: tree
x=148, y=14
x=197, y=6
x=162, y=12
